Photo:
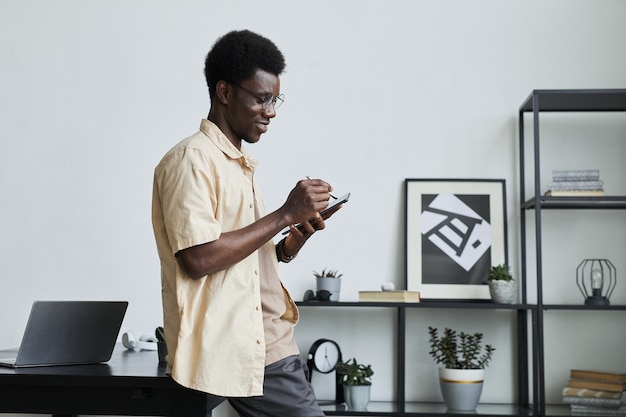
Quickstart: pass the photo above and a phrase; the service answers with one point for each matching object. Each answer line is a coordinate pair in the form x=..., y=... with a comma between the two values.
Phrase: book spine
x=576, y=175
x=584, y=392
x=600, y=386
x=576, y=185
x=581, y=410
x=598, y=375
x=598, y=411
x=592, y=401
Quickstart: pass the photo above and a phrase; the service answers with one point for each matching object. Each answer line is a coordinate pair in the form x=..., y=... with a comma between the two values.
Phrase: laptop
x=68, y=333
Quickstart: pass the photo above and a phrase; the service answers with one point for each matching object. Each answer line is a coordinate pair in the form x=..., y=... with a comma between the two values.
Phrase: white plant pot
x=357, y=396
x=461, y=388
x=332, y=285
x=503, y=292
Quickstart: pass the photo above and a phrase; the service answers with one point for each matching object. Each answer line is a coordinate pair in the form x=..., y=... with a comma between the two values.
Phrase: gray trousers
x=286, y=393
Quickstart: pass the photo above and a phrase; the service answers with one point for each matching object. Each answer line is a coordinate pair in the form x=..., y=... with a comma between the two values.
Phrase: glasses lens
x=276, y=101
x=279, y=100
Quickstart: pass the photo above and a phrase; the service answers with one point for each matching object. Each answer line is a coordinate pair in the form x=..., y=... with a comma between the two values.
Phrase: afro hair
x=237, y=55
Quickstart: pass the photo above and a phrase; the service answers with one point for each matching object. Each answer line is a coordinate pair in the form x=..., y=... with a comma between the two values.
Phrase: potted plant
x=464, y=359
x=502, y=286
x=356, y=380
x=328, y=280
x=161, y=346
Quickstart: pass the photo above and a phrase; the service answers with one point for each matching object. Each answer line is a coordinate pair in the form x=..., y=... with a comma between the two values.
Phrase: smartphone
x=341, y=200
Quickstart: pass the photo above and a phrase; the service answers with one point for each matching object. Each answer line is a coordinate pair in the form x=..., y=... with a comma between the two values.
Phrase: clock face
x=326, y=356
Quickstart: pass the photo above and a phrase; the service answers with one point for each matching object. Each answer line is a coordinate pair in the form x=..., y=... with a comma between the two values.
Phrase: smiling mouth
x=263, y=126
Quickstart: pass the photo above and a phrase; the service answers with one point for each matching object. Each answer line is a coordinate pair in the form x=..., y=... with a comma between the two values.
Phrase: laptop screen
x=71, y=332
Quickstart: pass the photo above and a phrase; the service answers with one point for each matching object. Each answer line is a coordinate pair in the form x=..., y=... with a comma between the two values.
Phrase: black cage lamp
x=596, y=280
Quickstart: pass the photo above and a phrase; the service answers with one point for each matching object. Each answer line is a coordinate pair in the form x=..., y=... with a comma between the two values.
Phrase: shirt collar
x=214, y=133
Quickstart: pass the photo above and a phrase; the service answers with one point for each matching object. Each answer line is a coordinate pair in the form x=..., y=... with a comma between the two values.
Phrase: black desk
x=131, y=383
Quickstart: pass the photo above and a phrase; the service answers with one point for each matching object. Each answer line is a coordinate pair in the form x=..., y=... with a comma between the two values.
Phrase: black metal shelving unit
x=529, y=317
x=540, y=101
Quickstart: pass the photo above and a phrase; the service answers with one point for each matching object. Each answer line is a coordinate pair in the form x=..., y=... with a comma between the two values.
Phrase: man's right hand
x=306, y=200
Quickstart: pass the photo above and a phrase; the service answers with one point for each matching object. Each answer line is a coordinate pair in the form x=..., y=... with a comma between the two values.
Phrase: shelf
x=576, y=100
x=446, y=304
x=483, y=409
x=586, y=203
x=380, y=408
x=581, y=307
x=346, y=304
x=479, y=305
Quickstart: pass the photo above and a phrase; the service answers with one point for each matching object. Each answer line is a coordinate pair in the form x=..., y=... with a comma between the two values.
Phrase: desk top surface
x=124, y=364
x=130, y=383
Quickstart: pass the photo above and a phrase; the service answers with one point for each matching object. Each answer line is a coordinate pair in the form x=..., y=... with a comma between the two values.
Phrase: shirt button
x=251, y=205
x=256, y=272
x=258, y=341
x=257, y=308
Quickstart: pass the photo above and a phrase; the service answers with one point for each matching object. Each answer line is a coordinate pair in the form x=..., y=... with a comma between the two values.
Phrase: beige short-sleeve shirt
x=217, y=327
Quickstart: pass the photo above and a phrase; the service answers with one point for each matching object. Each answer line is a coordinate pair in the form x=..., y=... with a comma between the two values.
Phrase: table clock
x=324, y=356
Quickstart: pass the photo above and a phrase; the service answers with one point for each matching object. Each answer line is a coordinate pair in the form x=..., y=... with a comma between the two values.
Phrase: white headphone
x=145, y=342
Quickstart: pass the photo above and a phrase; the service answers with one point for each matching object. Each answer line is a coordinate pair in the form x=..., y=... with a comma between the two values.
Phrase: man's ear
x=223, y=92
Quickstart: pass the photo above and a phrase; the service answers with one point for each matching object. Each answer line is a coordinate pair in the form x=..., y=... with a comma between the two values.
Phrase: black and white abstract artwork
x=455, y=233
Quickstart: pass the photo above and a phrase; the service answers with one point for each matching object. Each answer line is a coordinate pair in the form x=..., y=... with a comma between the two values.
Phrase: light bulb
x=597, y=279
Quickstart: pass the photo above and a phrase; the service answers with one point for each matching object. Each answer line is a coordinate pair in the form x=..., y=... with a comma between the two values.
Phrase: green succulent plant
x=500, y=272
x=459, y=350
x=330, y=273
x=353, y=373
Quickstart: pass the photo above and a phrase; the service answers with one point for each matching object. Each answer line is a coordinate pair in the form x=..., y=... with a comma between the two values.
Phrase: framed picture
x=455, y=231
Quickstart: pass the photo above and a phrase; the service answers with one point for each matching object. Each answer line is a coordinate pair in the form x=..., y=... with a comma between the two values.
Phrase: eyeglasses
x=269, y=99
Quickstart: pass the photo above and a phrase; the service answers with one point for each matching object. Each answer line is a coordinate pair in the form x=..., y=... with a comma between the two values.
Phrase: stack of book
x=595, y=393
x=576, y=182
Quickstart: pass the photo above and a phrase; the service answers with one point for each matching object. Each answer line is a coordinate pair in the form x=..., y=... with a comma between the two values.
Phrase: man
x=228, y=320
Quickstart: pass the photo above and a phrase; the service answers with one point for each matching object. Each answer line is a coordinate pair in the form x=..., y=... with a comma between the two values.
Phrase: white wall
x=93, y=93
